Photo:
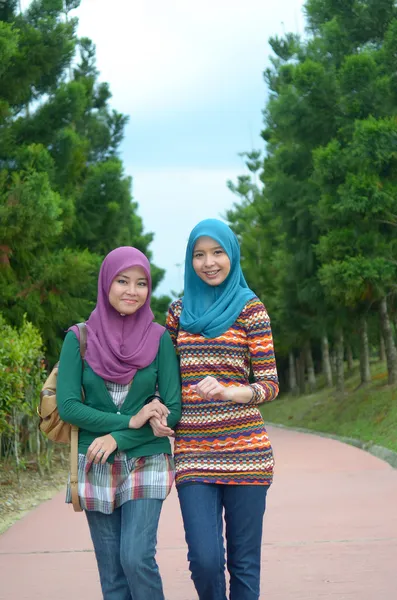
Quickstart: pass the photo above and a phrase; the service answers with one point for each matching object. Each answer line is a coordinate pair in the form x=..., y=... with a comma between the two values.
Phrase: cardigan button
x=118, y=412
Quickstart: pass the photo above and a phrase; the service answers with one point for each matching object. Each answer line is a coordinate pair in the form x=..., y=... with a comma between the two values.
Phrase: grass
x=367, y=413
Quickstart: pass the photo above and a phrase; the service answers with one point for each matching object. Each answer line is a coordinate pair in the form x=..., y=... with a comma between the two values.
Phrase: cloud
x=170, y=55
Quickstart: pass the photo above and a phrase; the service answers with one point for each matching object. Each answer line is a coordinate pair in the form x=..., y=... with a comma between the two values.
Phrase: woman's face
x=210, y=261
x=129, y=291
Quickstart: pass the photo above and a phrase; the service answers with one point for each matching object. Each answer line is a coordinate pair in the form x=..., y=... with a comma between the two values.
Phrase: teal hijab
x=211, y=310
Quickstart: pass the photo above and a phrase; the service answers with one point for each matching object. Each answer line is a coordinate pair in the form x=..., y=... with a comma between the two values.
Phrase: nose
x=209, y=260
x=131, y=291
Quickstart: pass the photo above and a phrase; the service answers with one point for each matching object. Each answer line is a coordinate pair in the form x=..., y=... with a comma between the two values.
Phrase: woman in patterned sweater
x=125, y=468
x=224, y=460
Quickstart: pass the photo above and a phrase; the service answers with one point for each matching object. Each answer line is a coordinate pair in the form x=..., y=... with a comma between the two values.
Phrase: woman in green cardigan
x=126, y=468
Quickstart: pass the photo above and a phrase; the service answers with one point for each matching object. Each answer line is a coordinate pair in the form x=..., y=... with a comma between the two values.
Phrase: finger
x=92, y=450
x=152, y=411
x=165, y=431
x=165, y=410
x=160, y=406
x=98, y=456
x=105, y=456
x=157, y=414
x=213, y=390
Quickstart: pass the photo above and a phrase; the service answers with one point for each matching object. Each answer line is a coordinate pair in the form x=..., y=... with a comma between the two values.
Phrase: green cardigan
x=98, y=415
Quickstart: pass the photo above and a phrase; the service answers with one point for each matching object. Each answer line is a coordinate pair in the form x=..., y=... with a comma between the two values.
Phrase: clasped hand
x=155, y=412
x=210, y=388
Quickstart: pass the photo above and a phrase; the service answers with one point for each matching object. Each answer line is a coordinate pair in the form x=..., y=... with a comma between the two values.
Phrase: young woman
x=224, y=461
x=125, y=465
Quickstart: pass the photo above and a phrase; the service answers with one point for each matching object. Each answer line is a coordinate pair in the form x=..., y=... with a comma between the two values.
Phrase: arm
x=71, y=408
x=172, y=321
x=127, y=439
x=169, y=381
x=261, y=351
x=170, y=391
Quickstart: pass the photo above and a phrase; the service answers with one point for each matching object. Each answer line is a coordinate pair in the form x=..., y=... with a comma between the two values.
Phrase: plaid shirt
x=106, y=487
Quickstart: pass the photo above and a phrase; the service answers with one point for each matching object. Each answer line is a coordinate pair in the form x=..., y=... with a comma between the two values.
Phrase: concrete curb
x=379, y=451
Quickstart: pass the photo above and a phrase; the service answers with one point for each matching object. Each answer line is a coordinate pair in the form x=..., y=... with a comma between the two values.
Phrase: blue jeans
x=202, y=507
x=125, y=548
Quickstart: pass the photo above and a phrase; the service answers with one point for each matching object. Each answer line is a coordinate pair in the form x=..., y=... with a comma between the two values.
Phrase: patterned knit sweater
x=219, y=441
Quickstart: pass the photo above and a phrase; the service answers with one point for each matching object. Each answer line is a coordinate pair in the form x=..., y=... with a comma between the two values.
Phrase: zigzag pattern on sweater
x=221, y=441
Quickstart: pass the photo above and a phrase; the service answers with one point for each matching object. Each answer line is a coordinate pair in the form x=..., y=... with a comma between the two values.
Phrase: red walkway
x=330, y=534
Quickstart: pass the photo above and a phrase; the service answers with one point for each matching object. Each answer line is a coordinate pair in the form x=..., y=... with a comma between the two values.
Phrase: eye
x=121, y=281
x=217, y=252
x=198, y=255
x=142, y=284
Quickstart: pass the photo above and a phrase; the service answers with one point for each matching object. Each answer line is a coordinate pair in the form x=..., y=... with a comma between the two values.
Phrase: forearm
x=241, y=394
x=264, y=391
x=126, y=439
x=75, y=412
x=169, y=380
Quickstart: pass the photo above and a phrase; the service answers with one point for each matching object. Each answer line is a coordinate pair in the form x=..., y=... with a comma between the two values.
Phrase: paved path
x=330, y=534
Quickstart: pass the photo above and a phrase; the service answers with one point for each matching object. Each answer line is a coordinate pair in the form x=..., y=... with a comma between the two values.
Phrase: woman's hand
x=160, y=427
x=210, y=388
x=101, y=448
x=155, y=408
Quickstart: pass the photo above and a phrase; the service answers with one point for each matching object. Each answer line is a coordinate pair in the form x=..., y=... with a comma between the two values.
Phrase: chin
x=130, y=311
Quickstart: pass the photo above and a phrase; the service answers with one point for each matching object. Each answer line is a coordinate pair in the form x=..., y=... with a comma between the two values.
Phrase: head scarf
x=117, y=346
x=211, y=310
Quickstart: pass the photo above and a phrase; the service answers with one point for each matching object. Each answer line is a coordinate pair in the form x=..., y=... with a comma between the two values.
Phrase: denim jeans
x=125, y=548
x=202, y=508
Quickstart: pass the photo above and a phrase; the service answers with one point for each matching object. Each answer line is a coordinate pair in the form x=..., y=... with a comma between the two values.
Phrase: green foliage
x=367, y=413
x=21, y=373
x=318, y=232
x=65, y=200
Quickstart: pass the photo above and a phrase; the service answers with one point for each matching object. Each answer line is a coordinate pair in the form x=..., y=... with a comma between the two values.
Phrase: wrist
x=230, y=393
x=133, y=424
x=240, y=394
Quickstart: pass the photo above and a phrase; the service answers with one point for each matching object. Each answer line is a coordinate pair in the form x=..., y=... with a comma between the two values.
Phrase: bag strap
x=74, y=433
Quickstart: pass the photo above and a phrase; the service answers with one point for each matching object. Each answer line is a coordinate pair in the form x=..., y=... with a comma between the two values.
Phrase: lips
x=211, y=274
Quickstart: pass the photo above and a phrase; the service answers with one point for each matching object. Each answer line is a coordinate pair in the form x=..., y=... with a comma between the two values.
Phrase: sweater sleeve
x=172, y=321
x=169, y=381
x=71, y=408
x=261, y=349
x=127, y=439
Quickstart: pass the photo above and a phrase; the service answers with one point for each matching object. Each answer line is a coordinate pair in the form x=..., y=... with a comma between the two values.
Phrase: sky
x=189, y=73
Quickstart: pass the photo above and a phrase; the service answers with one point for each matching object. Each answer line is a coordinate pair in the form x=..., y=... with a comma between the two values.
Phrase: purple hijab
x=117, y=346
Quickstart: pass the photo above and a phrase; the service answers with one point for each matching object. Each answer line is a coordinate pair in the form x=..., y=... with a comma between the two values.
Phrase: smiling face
x=210, y=261
x=129, y=290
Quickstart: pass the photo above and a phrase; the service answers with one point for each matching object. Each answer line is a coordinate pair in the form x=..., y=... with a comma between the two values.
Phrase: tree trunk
x=332, y=358
x=38, y=451
x=293, y=385
x=16, y=441
x=382, y=349
x=365, y=371
x=311, y=376
x=349, y=357
x=327, y=369
x=390, y=347
x=340, y=375
x=300, y=370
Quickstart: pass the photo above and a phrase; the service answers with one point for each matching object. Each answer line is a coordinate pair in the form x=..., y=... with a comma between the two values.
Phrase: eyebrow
x=213, y=248
x=127, y=277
